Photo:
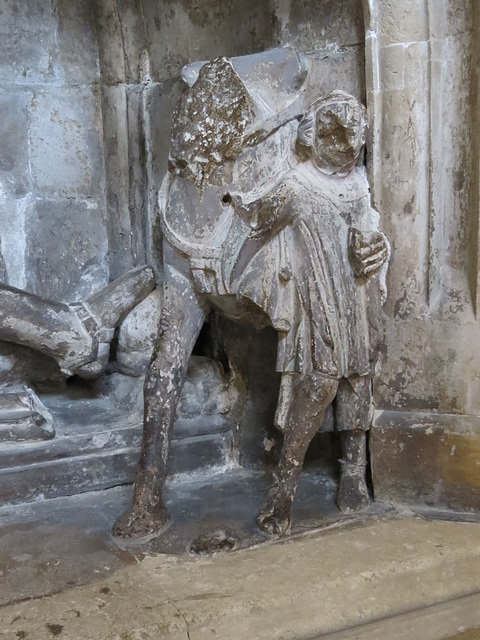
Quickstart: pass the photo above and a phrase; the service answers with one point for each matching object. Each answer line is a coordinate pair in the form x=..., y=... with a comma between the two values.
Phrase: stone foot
x=139, y=524
x=352, y=492
x=275, y=518
x=103, y=311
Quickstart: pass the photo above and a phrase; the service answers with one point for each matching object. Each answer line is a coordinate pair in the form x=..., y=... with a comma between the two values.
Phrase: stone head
x=209, y=122
x=334, y=130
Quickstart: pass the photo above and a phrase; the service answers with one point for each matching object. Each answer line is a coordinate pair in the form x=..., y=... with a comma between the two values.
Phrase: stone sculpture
x=271, y=237
x=77, y=336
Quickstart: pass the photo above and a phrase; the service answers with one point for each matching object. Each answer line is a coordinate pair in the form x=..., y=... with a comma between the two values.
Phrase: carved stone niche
x=80, y=175
x=81, y=166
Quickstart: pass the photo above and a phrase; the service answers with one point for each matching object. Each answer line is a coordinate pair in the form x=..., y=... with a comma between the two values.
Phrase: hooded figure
x=315, y=262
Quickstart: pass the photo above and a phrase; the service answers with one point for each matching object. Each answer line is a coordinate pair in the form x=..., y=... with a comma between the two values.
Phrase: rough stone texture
x=313, y=585
x=422, y=88
x=137, y=335
x=28, y=55
x=97, y=446
x=122, y=60
x=427, y=459
x=51, y=131
x=65, y=142
x=67, y=249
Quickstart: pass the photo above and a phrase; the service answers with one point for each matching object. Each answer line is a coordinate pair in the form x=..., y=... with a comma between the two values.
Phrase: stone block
x=423, y=371
x=451, y=18
x=405, y=21
x=314, y=24
x=65, y=142
x=392, y=67
x=66, y=248
x=137, y=171
x=67, y=477
x=12, y=238
x=158, y=99
x=426, y=459
x=27, y=42
x=402, y=196
x=77, y=42
x=193, y=454
x=117, y=173
x=344, y=69
x=454, y=178
x=206, y=30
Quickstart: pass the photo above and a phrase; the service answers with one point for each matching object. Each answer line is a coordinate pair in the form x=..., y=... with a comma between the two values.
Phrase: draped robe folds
x=328, y=320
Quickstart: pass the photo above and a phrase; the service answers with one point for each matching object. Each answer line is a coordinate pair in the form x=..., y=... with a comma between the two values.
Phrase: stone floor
x=58, y=563
x=51, y=545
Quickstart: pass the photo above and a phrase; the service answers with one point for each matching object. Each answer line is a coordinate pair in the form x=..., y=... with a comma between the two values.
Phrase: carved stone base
x=23, y=417
x=97, y=446
x=426, y=459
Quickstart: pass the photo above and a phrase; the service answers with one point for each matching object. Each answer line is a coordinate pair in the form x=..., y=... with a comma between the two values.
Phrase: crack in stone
x=170, y=601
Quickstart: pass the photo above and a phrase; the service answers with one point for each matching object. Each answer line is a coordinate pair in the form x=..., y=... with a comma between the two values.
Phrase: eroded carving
x=77, y=336
x=272, y=235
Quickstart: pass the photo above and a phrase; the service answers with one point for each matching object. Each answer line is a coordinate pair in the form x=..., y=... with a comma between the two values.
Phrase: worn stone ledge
x=315, y=584
x=426, y=459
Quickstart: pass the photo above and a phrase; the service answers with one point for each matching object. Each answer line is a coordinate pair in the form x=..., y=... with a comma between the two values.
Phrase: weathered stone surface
x=77, y=42
x=23, y=417
x=421, y=81
x=97, y=446
x=310, y=586
x=28, y=48
x=207, y=390
x=14, y=171
x=402, y=22
x=13, y=215
x=248, y=256
x=65, y=133
x=310, y=24
x=427, y=459
x=137, y=335
x=66, y=248
x=332, y=70
x=206, y=31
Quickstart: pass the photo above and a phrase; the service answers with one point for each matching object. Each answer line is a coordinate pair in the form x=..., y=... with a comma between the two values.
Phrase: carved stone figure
x=313, y=267
x=77, y=336
x=270, y=238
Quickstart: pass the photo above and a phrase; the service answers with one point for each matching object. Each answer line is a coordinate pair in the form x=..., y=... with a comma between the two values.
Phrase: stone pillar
x=422, y=86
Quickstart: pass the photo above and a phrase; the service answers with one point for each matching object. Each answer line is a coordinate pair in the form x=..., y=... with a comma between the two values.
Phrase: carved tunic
x=329, y=321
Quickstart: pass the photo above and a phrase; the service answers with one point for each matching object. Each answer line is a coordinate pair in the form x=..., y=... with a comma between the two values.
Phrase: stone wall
x=53, y=226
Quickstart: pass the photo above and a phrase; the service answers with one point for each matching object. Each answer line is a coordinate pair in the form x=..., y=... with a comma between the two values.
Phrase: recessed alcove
x=87, y=89
x=87, y=146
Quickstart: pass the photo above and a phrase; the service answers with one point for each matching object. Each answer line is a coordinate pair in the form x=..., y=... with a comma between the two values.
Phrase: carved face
x=333, y=130
x=339, y=135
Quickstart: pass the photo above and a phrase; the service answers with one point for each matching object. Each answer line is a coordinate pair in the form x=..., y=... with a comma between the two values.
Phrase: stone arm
x=370, y=251
x=269, y=214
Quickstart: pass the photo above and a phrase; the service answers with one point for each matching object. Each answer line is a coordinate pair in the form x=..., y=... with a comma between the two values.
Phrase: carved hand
x=367, y=251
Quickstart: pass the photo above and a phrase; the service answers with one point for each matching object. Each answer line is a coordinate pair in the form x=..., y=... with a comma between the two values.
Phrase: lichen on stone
x=209, y=121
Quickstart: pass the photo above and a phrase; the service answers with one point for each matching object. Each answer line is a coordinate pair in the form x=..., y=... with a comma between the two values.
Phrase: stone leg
x=353, y=409
x=182, y=318
x=73, y=335
x=310, y=396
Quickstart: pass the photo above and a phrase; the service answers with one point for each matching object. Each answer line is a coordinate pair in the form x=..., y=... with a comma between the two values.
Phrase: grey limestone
x=66, y=248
